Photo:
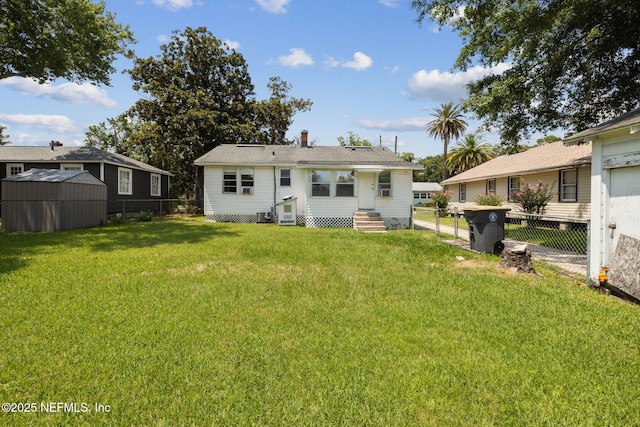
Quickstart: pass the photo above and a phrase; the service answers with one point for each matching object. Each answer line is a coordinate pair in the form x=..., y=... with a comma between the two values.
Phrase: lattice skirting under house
x=308, y=222
x=230, y=218
x=329, y=222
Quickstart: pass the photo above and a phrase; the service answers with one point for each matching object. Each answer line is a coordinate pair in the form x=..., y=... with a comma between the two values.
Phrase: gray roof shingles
x=43, y=154
x=294, y=155
x=629, y=119
x=551, y=156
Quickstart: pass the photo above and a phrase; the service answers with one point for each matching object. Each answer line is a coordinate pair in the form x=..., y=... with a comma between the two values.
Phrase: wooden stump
x=518, y=259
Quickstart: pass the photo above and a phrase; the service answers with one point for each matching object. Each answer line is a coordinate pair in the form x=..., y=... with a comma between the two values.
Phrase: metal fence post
x=588, y=252
x=455, y=222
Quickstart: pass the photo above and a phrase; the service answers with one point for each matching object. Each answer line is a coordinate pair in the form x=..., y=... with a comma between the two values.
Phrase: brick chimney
x=304, y=139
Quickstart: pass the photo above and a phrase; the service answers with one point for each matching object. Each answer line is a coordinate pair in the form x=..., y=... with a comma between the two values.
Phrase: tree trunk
x=444, y=157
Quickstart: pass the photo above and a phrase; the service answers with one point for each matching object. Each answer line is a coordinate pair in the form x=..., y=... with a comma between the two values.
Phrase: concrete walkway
x=569, y=261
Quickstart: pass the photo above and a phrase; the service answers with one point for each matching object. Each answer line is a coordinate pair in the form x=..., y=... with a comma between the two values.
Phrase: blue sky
x=368, y=67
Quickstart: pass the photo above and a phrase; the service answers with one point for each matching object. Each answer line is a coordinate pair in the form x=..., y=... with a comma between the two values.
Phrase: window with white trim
x=246, y=181
x=320, y=183
x=462, y=192
x=285, y=177
x=230, y=181
x=125, y=177
x=14, y=168
x=569, y=185
x=384, y=184
x=156, y=183
x=344, y=184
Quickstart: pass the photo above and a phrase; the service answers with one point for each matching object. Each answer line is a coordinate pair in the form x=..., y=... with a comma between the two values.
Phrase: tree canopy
x=3, y=137
x=568, y=64
x=469, y=153
x=197, y=95
x=77, y=40
x=353, y=140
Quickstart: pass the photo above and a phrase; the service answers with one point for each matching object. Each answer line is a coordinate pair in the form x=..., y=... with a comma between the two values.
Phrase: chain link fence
x=562, y=241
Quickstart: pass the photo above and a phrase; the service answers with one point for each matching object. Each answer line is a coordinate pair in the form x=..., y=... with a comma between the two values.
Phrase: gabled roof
x=55, y=175
x=426, y=186
x=629, y=119
x=313, y=156
x=553, y=156
x=44, y=154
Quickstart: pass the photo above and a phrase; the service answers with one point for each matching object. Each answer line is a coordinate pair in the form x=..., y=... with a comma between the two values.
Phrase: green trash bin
x=486, y=228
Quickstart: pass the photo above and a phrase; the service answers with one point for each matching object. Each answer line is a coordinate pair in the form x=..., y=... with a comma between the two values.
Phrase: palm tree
x=469, y=153
x=448, y=123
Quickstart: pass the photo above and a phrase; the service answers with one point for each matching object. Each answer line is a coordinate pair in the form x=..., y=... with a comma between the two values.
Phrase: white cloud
x=173, y=4
x=389, y=3
x=85, y=93
x=162, y=38
x=447, y=86
x=360, y=62
x=231, y=44
x=297, y=58
x=50, y=122
x=402, y=125
x=274, y=6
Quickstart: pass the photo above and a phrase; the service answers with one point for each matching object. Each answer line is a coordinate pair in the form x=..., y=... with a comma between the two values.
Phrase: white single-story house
x=421, y=192
x=615, y=194
x=565, y=169
x=330, y=184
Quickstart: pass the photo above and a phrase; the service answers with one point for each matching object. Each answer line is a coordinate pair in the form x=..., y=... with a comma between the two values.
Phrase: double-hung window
x=285, y=177
x=514, y=186
x=569, y=185
x=155, y=185
x=125, y=178
x=491, y=186
x=384, y=184
x=344, y=184
x=462, y=192
x=246, y=181
x=320, y=183
x=230, y=182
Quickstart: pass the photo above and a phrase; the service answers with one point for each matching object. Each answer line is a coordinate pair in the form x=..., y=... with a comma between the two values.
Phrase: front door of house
x=366, y=190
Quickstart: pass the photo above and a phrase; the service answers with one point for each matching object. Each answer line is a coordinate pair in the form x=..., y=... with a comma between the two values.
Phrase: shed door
x=624, y=207
x=366, y=190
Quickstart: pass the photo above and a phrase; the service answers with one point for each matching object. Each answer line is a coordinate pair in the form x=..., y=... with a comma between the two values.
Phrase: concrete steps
x=368, y=222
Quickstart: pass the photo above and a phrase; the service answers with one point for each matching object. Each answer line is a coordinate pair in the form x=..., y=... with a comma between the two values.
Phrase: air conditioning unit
x=247, y=190
x=384, y=192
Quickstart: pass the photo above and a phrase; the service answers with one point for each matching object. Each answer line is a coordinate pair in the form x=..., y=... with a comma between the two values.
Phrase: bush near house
x=532, y=199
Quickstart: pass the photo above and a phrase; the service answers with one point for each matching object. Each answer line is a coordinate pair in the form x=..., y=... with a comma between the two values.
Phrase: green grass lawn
x=183, y=322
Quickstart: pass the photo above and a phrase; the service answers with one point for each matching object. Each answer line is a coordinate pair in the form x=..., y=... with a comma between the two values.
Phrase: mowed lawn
x=183, y=322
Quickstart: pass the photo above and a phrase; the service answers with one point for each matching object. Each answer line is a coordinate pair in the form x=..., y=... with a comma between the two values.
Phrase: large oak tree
x=198, y=94
x=571, y=63
x=77, y=40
